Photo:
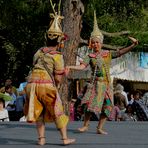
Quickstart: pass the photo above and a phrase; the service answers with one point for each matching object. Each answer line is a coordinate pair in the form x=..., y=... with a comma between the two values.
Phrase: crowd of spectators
x=131, y=106
x=12, y=110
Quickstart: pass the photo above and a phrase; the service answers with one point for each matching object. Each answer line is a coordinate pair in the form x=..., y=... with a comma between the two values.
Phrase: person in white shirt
x=11, y=105
x=130, y=97
x=3, y=112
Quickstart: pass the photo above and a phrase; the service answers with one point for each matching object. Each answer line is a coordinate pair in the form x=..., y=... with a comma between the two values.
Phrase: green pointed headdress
x=96, y=33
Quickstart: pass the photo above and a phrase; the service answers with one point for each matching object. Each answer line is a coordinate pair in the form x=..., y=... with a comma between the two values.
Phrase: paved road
x=121, y=135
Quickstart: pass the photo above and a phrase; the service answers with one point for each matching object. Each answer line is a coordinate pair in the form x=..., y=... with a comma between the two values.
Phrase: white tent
x=128, y=67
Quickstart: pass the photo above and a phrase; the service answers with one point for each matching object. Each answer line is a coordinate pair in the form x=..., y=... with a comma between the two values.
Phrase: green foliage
x=22, y=27
x=116, y=16
x=24, y=22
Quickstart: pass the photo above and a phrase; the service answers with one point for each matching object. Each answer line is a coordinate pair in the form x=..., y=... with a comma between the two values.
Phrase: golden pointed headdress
x=96, y=33
x=55, y=29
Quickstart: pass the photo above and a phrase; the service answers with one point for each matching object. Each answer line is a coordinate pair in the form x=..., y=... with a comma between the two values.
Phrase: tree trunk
x=72, y=12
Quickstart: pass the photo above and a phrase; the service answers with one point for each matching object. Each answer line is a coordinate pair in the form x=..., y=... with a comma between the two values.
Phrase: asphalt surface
x=120, y=135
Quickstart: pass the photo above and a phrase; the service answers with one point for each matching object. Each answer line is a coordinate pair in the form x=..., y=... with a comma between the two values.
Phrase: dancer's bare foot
x=100, y=131
x=41, y=141
x=68, y=141
x=83, y=129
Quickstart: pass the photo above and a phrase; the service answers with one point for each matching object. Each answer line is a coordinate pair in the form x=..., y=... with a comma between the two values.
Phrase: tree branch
x=115, y=34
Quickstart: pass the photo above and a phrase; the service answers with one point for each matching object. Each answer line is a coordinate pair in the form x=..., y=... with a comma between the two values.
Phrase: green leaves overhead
x=116, y=16
x=24, y=22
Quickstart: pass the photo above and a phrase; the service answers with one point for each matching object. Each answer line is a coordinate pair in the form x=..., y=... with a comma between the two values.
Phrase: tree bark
x=72, y=24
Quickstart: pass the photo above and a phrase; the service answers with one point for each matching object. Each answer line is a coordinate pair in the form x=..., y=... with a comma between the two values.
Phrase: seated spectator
x=129, y=114
x=120, y=101
x=11, y=105
x=120, y=88
x=130, y=97
x=3, y=112
x=8, y=82
x=139, y=107
x=115, y=114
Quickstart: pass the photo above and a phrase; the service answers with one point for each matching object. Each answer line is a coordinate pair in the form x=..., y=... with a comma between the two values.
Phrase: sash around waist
x=40, y=81
x=39, y=76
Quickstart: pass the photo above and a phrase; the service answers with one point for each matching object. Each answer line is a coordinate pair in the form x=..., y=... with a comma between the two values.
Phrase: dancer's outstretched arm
x=127, y=49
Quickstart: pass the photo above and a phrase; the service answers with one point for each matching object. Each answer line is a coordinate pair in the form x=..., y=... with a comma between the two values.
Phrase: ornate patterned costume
x=101, y=98
x=98, y=96
x=43, y=102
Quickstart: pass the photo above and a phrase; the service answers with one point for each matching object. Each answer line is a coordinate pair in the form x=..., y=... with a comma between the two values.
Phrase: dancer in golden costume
x=43, y=103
